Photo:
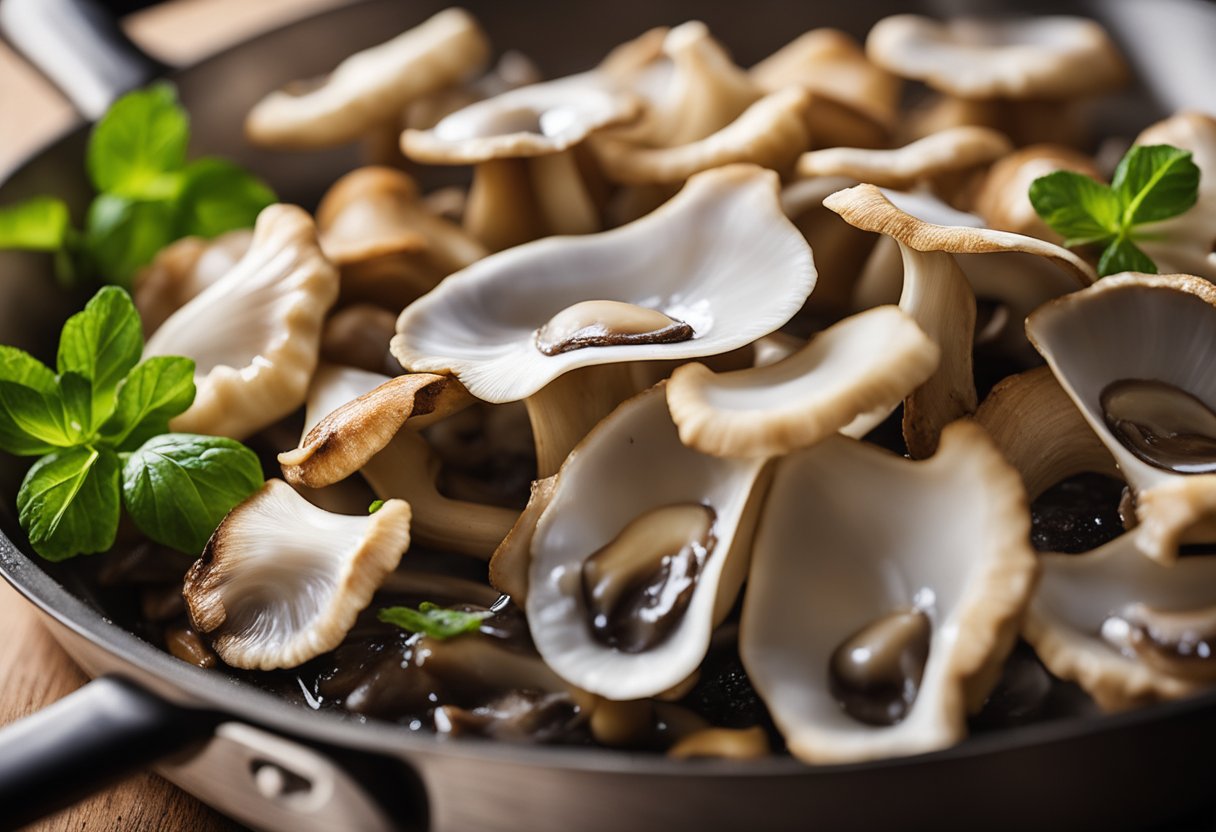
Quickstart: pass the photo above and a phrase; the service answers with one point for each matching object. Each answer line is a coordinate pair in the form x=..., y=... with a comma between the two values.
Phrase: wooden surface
x=33, y=670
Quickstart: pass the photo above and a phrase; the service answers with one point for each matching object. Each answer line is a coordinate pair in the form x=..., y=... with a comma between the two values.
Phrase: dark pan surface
x=1165, y=742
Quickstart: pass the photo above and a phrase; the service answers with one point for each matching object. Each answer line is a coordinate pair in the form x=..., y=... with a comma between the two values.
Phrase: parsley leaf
x=1151, y=183
x=38, y=224
x=141, y=138
x=68, y=503
x=154, y=392
x=432, y=620
x=102, y=344
x=178, y=487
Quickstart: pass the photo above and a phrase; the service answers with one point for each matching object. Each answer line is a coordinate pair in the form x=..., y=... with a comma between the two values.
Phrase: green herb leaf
x=1076, y=206
x=102, y=343
x=141, y=138
x=68, y=503
x=1155, y=182
x=25, y=384
x=122, y=235
x=33, y=422
x=375, y=506
x=19, y=367
x=178, y=487
x=38, y=224
x=154, y=392
x=1123, y=256
x=219, y=196
x=432, y=620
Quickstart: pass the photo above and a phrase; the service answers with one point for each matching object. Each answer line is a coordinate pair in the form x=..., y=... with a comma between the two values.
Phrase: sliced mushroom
x=282, y=581
x=370, y=89
x=842, y=599
x=182, y=270
x=1015, y=75
x=720, y=257
x=389, y=247
x=255, y=334
x=862, y=367
x=614, y=607
x=1131, y=351
x=1129, y=630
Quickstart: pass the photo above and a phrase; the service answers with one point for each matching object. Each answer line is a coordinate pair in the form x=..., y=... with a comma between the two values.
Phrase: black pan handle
x=80, y=48
x=107, y=730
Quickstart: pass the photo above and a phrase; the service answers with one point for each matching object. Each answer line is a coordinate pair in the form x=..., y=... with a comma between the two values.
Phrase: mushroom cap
x=1136, y=326
x=1040, y=57
x=182, y=270
x=282, y=581
x=1076, y=595
x=255, y=334
x=372, y=87
x=865, y=363
x=536, y=120
x=951, y=539
x=631, y=463
x=949, y=151
x=720, y=257
x=1003, y=199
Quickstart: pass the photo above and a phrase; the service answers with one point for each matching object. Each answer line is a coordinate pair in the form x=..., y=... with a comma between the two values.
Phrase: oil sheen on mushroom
x=638, y=586
x=608, y=323
x=1181, y=643
x=875, y=673
x=1161, y=424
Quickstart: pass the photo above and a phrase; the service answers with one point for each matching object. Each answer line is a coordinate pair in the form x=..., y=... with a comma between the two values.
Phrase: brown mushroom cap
x=1042, y=57
x=1003, y=198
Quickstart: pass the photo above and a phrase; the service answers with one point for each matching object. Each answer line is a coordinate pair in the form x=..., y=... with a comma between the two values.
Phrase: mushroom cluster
x=709, y=412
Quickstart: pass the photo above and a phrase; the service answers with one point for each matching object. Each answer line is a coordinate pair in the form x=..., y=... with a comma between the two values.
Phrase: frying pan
x=273, y=765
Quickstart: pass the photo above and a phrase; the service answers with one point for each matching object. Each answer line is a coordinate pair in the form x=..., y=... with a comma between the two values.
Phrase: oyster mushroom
x=282, y=581
x=389, y=248
x=527, y=181
x=1187, y=243
x=255, y=334
x=367, y=423
x=1127, y=629
x=513, y=70
x=872, y=635
x=1019, y=76
x=939, y=289
x=370, y=90
x=508, y=325
x=511, y=560
x=854, y=102
x=639, y=555
x=849, y=377
x=182, y=270
x=1003, y=198
x=358, y=336
x=1131, y=351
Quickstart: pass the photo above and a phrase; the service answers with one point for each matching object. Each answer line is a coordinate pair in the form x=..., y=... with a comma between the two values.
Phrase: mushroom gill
x=873, y=634
x=254, y=334
x=182, y=270
x=282, y=581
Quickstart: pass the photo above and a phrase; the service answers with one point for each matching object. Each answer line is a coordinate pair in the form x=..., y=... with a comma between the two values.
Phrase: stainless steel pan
x=273, y=765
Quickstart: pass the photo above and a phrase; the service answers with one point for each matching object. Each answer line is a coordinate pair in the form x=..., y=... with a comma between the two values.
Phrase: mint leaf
x=1076, y=207
x=154, y=392
x=432, y=620
x=102, y=343
x=123, y=235
x=68, y=503
x=38, y=224
x=1123, y=256
x=141, y=138
x=178, y=487
x=219, y=196
x=1155, y=182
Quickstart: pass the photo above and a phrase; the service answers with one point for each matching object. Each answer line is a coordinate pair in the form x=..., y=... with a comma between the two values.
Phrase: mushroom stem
x=1058, y=446
x=502, y=211
x=561, y=195
x=567, y=408
x=381, y=145
x=938, y=297
x=407, y=469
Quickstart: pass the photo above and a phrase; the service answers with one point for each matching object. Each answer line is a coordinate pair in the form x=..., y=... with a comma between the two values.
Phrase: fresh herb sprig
x=1151, y=183
x=100, y=424
x=148, y=194
x=433, y=620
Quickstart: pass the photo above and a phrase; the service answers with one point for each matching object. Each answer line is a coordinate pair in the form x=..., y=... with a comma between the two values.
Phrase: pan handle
x=103, y=732
x=80, y=48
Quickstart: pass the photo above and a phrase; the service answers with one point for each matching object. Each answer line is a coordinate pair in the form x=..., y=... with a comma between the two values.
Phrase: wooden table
x=33, y=670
